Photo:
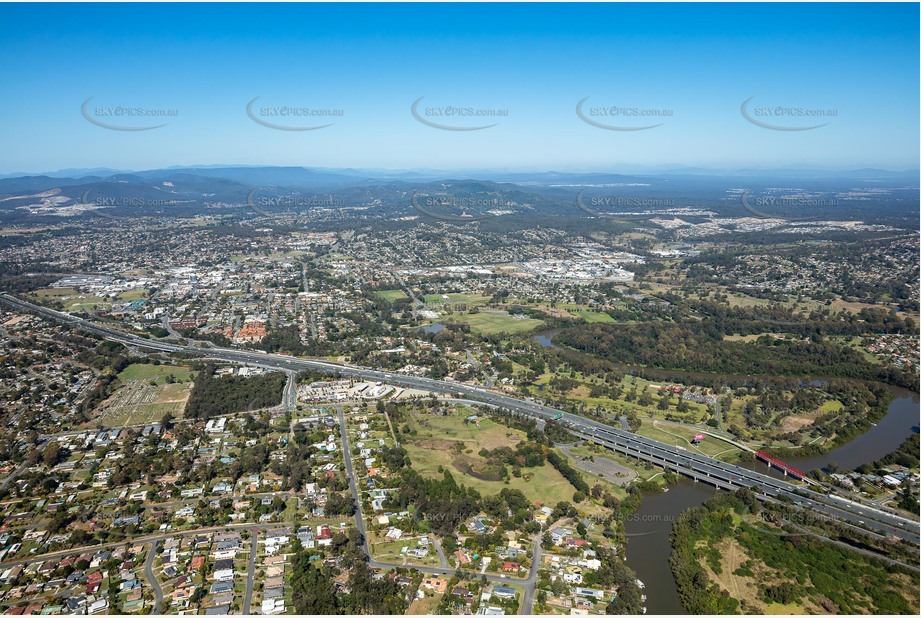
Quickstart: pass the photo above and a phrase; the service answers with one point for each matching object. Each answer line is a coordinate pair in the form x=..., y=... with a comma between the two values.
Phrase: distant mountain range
x=236, y=171
x=185, y=191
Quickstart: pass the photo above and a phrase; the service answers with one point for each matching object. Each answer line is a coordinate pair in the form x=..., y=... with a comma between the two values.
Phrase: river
x=648, y=546
x=900, y=421
x=545, y=339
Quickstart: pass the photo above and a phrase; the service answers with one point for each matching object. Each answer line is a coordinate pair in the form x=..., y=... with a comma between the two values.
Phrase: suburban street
x=528, y=584
x=152, y=578
x=251, y=569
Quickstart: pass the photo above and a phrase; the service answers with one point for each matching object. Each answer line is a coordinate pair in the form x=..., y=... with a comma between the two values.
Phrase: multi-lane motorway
x=699, y=467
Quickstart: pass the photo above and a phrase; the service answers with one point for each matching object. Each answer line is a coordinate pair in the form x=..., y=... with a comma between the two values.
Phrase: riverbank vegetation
x=734, y=555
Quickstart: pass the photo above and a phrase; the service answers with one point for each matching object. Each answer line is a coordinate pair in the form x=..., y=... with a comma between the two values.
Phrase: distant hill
x=254, y=190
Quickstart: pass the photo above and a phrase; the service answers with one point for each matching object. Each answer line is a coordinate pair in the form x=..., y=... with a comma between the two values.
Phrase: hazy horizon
x=626, y=169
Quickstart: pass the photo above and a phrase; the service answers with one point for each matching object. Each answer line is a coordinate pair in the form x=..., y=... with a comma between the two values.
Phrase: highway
x=696, y=466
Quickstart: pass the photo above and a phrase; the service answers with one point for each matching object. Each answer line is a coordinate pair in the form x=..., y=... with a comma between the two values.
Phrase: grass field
x=433, y=446
x=492, y=323
x=144, y=371
x=137, y=403
x=856, y=344
x=748, y=338
x=73, y=300
x=593, y=316
x=133, y=295
x=391, y=295
x=831, y=406
x=424, y=607
x=582, y=395
x=680, y=436
x=56, y=292
x=86, y=302
x=455, y=298
x=389, y=551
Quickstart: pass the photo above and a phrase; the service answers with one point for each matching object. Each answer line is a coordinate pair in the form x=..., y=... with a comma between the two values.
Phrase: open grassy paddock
x=160, y=373
x=391, y=295
x=492, y=323
x=435, y=445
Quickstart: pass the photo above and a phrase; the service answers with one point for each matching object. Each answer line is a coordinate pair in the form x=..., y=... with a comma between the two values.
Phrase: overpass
x=694, y=465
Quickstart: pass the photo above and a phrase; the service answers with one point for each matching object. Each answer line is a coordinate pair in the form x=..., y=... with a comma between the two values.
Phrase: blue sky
x=697, y=62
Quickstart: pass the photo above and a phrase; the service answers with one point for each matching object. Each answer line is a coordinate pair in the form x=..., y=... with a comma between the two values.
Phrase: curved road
x=152, y=578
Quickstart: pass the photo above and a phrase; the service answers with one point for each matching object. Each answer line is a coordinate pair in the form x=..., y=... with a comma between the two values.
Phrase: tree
x=52, y=454
x=312, y=591
x=645, y=399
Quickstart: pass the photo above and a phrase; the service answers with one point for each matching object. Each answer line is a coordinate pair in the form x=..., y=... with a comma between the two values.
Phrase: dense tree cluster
x=213, y=395
x=443, y=503
x=314, y=591
x=699, y=346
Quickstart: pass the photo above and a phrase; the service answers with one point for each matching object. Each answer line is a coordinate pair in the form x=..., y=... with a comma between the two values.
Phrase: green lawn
x=582, y=395
x=592, y=316
x=53, y=292
x=454, y=298
x=492, y=323
x=144, y=371
x=389, y=551
x=391, y=295
x=133, y=295
x=831, y=406
x=136, y=401
x=86, y=302
x=680, y=436
x=74, y=300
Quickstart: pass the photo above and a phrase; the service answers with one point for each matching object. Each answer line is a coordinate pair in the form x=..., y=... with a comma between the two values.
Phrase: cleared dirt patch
x=555, y=312
x=794, y=423
x=437, y=445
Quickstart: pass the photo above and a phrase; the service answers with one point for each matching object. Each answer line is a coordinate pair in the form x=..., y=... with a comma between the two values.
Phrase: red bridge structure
x=786, y=468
